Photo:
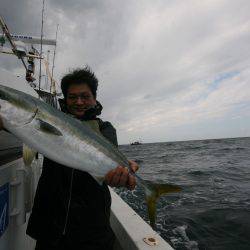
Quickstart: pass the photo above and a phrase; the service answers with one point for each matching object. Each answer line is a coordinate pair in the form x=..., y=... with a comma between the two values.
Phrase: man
x=71, y=210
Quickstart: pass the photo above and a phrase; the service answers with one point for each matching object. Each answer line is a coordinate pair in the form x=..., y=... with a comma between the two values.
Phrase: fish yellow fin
x=28, y=155
x=153, y=192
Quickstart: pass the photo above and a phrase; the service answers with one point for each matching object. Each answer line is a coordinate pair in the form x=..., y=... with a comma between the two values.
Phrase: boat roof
x=11, y=80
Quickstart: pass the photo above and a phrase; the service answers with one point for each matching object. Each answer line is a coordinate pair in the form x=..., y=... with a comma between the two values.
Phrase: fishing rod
x=13, y=45
x=10, y=52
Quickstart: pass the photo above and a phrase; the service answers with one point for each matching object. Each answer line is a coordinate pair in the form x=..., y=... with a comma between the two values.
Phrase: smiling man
x=79, y=99
x=71, y=210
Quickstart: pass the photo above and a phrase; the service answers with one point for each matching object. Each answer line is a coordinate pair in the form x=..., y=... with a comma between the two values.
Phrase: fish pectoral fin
x=47, y=128
x=28, y=155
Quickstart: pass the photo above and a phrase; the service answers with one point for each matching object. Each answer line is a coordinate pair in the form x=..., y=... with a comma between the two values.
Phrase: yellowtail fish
x=68, y=141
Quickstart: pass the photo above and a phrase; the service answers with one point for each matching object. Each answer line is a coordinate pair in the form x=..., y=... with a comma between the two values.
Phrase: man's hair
x=80, y=76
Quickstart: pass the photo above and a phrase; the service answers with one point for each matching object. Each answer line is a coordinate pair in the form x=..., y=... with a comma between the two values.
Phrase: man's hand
x=120, y=177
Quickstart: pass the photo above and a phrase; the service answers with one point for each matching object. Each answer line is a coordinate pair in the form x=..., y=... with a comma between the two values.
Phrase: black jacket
x=70, y=204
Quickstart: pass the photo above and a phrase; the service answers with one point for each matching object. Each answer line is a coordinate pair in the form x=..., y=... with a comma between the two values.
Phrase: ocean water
x=213, y=209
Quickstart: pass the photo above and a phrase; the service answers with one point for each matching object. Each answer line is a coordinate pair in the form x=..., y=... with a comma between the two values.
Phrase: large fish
x=68, y=141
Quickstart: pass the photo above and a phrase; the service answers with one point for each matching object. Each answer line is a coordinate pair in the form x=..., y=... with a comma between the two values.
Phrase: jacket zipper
x=69, y=201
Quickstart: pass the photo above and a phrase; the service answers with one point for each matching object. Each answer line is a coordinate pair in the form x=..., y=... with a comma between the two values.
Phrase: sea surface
x=213, y=210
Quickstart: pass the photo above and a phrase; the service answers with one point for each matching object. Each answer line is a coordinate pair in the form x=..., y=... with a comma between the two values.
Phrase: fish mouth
x=30, y=119
x=17, y=108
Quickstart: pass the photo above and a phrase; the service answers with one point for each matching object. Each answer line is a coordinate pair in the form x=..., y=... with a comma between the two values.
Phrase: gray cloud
x=156, y=61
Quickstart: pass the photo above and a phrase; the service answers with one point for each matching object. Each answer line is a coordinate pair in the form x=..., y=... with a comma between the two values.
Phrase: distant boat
x=136, y=143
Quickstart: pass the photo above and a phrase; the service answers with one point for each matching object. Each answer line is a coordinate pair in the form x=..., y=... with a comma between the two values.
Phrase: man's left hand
x=120, y=176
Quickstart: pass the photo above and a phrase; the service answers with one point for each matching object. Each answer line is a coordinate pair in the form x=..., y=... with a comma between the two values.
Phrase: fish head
x=16, y=107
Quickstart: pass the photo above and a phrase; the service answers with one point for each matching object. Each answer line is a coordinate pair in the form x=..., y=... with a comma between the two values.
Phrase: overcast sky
x=168, y=69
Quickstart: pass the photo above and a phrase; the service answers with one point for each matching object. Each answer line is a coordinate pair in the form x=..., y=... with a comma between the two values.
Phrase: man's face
x=79, y=99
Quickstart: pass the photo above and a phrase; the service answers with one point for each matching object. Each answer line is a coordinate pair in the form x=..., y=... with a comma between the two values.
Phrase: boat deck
x=132, y=232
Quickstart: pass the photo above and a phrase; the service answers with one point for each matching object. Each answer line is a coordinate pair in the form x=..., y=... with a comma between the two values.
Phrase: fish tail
x=153, y=192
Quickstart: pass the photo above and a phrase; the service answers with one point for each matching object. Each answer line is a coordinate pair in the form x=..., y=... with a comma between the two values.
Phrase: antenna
x=47, y=77
x=53, y=65
x=41, y=50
